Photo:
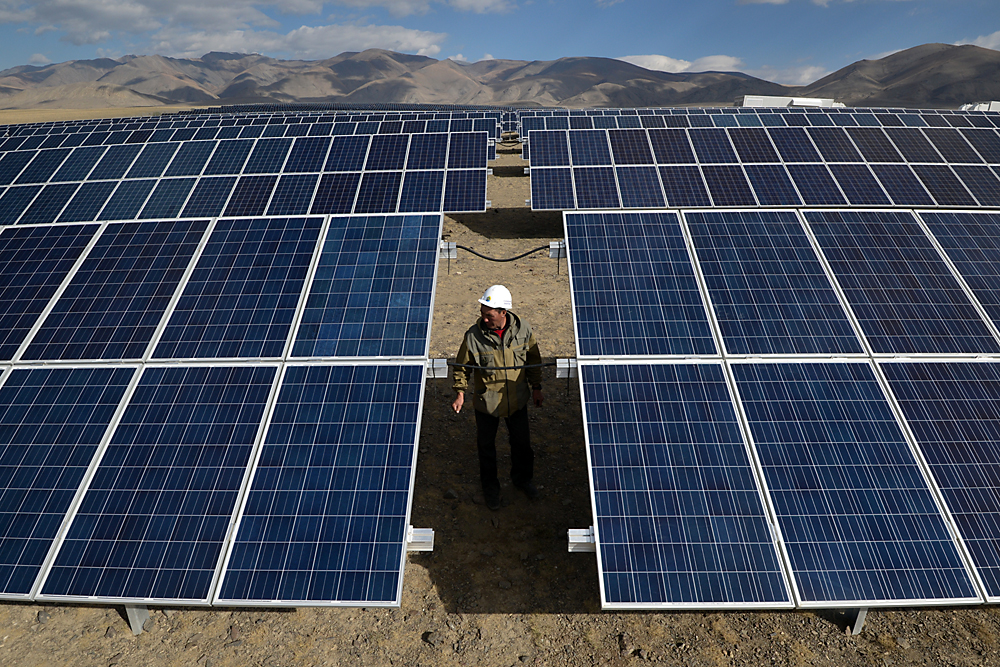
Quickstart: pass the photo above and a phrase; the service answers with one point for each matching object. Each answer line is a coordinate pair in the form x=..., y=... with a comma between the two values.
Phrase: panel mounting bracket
x=447, y=250
x=437, y=369
x=582, y=540
x=859, y=621
x=137, y=617
x=419, y=539
x=557, y=249
x=565, y=368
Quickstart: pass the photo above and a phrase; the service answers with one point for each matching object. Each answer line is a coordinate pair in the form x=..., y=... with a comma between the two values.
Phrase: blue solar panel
x=267, y=157
x=308, y=155
x=640, y=187
x=858, y=520
x=78, y=165
x=150, y=163
x=629, y=147
x=753, y=145
x=728, y=185
x=467, y=150
x=768, y=288
x=113, y=305
x=952, y=410
x=680, y=520
x=427, y=151
x=465, y=191
x=671, y=146
x=712, y=146
x=251, y=195
x=771, y=185
x=902, y=293
x=625, y=267
x=684, y=186
x=596, y=187
x=209, y=196
x=336, y=193
x=549, y=148
x=128, y=198
x=902, y=185
x=87, y=202
x=41, y=168
x=189, y=160
x=154, y=519
x=986, y=143
x=551, y=189
x=981, y=182
x=943, y=185
x=371, y=295
x=33, y=263
x=912, y=144
x=49, y=203
x=293, y=194
x=874, y=145
x=379, y=191
x=388, y=152
x=229, y=157
x=115, y=163
x=249, y=317
x=51, y=423
x=834, y=144
x=590, y=148
x=972, y=243
x=325, y=517
x=422, y=190
x=952, y=146
x=859, y=185
x=815, y=184
x=168, y=198
x=793, y=144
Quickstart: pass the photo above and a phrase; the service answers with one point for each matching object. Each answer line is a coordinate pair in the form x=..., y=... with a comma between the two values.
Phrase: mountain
x=932, y=75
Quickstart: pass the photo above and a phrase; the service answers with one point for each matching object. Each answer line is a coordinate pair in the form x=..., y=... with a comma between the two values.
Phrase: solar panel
x=590, y=148
x=218, y=317
x=596, y=187
x=943, y=185
x=684, y=186
x=834, y=144
x=154, y=519
x=372, y=292
x=712, y=146
x=625, y=266
x=903, y=295
x=728, y=185
x=859, y=185
x=679, y=517
x=551, y=189
x=326, y=515
x=116, y=299
x=771, y=184
x=951, y=408
x=293, y=194
x=639, y=187
x=769, y=292
x=753, y=145
x=902, y=185
x=52, y=421
x=981, y=182
x=815, y=184
x=630, y=147
x=858, y=521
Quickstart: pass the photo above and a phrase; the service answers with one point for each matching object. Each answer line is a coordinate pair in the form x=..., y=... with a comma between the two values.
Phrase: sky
x=786, y=41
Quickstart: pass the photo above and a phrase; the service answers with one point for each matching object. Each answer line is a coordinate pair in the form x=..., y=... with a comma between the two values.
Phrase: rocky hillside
x=933, y=75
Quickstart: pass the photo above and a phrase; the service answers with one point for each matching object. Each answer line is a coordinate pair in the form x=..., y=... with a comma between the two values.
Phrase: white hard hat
x=497, y=296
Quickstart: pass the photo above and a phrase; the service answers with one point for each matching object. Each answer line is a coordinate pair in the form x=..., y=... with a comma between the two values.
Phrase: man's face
x=493, y=318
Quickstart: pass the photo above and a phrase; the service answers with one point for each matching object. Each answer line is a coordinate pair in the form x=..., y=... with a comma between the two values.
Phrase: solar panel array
x=240, y=165
x=197, y=430
x=832, y=440
x=764, y=159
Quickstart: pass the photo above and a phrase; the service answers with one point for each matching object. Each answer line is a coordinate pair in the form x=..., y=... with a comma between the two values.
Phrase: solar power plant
x=828, y=157
x=873, y=467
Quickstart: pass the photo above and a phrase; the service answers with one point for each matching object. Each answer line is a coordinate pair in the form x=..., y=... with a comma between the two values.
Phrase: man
x=503, y=341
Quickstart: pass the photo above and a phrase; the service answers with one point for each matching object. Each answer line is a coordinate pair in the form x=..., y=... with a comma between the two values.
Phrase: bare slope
x=932, y=75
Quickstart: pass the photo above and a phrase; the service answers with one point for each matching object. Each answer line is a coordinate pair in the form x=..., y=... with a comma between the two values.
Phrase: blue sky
x=789, y=41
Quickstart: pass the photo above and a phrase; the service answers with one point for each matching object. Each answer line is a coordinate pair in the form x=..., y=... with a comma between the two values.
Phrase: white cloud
x=38, y=59
x=607, y=3
x=487, y=56
x=459, y=58
x=766, y=2
x=408, y=7
x=991, y=41
x=306, y=43
x=667, y=64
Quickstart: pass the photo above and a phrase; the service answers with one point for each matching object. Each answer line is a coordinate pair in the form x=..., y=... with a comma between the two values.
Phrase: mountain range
x=928, y=76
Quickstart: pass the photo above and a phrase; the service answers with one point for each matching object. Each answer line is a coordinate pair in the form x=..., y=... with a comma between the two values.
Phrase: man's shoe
x=492, y=499
x=529, y=489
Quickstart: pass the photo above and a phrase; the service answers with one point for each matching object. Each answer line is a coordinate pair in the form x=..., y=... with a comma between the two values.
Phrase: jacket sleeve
x=534, y=358
x=460, y=376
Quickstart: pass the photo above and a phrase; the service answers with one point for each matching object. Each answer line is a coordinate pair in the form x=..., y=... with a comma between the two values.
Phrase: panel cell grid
x=858, y=520
x=242, y=295
x=680, y=521
x=768, y=289
x=325, y=517
x=113, y=305
x=51, y=423
x=371, y=295
x=625, y=266
x=904, y=296
x=154, y=519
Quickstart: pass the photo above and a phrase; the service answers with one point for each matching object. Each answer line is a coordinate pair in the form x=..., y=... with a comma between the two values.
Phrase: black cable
x=492, y=259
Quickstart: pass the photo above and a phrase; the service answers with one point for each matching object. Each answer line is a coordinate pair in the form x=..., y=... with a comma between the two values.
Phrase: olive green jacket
x=500, y=393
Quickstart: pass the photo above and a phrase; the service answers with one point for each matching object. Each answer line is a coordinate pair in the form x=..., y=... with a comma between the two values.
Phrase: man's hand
x=536, y=396
x=459, y=402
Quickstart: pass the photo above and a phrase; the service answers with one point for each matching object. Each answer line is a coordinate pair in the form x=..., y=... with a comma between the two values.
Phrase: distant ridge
x=930, y=76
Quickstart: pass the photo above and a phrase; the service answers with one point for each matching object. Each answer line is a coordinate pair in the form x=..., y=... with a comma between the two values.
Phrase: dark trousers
x=522, y=459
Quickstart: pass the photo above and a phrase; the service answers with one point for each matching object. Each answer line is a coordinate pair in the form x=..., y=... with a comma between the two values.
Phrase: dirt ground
x=499, y=587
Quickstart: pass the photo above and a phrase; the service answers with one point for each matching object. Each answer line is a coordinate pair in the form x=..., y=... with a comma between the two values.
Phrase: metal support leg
x=859, y=621
x=137, y=617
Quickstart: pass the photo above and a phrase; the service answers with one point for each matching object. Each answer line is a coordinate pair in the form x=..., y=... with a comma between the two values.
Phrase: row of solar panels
x=247, y=288
x=847, y=282
x=167, y=128
x=770, y=118
x=718, y=473
x=254, y=484
x=738, y=111
x=365, y=174
x=591, y=169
